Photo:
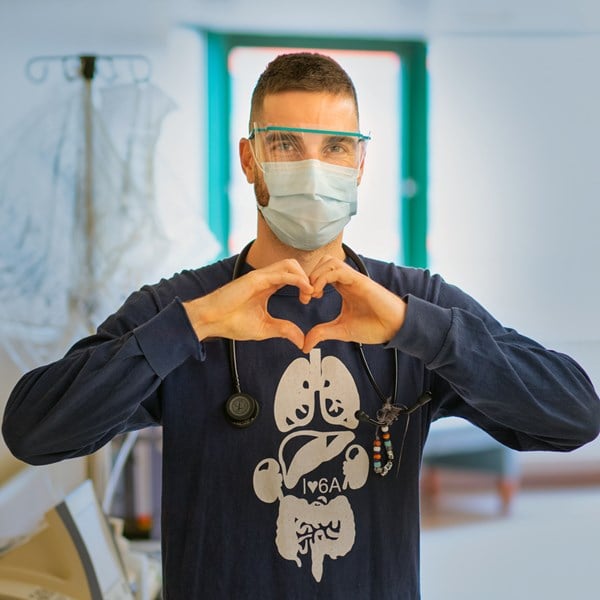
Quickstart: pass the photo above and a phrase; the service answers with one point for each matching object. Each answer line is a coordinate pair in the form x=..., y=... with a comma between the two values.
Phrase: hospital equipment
x=74, y=553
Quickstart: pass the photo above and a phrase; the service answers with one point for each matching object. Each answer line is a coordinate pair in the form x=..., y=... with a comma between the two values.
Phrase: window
x=390, y=82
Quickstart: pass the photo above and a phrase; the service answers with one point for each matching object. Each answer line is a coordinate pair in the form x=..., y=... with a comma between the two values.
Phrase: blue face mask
x=310, y=201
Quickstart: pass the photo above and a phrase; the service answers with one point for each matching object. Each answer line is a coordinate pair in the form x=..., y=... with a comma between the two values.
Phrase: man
x=291, y=456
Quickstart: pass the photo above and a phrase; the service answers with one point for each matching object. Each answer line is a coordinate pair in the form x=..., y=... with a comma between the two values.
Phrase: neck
x=268, y=249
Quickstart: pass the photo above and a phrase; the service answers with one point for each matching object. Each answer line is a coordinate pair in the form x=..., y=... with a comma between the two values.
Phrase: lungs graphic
x=309, y=379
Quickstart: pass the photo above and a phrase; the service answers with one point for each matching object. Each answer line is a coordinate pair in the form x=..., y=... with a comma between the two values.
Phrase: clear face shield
x=277, y=144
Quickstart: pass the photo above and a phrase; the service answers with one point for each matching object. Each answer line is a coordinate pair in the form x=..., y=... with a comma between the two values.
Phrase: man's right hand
x=238, y=310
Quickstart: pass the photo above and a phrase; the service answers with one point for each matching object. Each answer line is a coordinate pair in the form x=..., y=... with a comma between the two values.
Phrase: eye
x=282, y=146
x=337, y=149
x=341, y=150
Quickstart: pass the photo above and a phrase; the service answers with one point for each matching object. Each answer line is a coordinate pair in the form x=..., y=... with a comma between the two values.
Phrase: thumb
x=322, y=332
x=288, y=330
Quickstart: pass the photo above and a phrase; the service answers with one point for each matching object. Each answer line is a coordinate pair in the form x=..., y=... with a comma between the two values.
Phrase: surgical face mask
x=310, y=201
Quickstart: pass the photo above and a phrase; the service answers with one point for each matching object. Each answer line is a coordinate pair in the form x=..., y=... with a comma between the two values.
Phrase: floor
x=546, y=548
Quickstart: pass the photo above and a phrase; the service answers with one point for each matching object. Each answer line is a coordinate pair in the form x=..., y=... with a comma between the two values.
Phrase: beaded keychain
x=386, y=415
x=387, y=442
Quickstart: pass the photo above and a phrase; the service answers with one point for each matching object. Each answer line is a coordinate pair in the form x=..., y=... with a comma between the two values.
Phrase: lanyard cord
x=389, y=411
x=377, y=389
x=384, y=399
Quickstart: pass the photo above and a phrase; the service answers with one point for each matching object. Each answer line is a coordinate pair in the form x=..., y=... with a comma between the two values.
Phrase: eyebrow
x=340, y=138
x=278, y=135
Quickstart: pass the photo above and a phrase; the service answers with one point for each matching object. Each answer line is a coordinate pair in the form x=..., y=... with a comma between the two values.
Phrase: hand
x=238, y=310
x=370, y=314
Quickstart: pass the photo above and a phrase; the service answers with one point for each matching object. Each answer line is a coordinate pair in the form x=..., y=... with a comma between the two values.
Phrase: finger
x=286, y=272
x=319, y=278
x=322, y=332
x=305, y=289
x=304, y=297
x=330, y=271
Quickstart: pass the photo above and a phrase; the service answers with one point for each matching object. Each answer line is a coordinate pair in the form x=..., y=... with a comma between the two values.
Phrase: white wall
x=514, y=176
x=514, y=185
x=513, y=127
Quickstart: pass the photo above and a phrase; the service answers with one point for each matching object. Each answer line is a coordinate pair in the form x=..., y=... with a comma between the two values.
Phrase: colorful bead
x=377, y=456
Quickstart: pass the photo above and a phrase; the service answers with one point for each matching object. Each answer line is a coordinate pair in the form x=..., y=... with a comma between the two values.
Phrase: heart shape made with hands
x=334, y=329
x=369, y=313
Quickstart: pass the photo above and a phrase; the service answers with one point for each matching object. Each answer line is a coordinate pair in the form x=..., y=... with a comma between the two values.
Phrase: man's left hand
x=370, y=313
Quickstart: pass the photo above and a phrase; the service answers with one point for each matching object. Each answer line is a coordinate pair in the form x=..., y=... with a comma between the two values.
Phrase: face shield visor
x=277, y=144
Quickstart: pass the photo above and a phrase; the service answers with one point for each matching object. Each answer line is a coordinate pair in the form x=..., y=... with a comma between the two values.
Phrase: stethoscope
x=242, y=409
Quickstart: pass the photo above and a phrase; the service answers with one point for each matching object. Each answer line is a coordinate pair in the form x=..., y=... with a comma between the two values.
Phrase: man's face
x=315, y=110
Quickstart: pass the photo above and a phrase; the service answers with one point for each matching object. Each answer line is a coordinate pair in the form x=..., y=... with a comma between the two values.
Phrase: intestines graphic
x=324, y=526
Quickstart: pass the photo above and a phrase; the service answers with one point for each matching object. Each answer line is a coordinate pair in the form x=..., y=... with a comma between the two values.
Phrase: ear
x=247, y=159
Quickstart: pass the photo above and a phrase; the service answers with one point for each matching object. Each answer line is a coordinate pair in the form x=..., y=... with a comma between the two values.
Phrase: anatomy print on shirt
x=315, y=515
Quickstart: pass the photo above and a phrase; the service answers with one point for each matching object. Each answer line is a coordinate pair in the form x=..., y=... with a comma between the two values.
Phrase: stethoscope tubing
x=249, y=407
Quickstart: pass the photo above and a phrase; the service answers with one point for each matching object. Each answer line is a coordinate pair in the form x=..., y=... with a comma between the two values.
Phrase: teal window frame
x=413, y=128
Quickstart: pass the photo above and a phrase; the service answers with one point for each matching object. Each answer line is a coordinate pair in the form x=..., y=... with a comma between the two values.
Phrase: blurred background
x=482, y=167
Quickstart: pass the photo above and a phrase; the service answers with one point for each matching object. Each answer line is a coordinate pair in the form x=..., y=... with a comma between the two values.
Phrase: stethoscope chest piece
x=241, y=409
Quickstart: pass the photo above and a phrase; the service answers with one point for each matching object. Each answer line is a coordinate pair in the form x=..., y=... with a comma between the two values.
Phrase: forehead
x=320, y=110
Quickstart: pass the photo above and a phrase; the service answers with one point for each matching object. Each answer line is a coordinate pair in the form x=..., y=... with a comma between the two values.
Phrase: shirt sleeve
x=106, y=384
x=524, y=395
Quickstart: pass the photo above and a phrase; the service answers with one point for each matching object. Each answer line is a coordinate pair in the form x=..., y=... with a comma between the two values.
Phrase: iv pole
x=88, y=70
x=99, y=464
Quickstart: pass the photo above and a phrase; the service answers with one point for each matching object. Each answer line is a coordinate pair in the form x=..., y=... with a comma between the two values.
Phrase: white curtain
x=81, y=224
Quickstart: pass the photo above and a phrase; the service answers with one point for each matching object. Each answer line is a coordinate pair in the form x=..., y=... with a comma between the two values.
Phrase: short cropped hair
x=301, y=71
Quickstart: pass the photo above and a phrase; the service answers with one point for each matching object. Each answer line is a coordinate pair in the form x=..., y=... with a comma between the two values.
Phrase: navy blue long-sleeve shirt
x=290, y=507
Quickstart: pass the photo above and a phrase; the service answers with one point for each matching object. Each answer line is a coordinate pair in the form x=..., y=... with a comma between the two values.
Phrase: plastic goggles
x=285, y=144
